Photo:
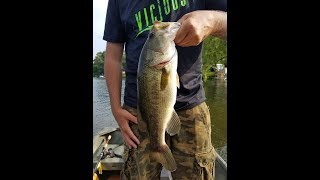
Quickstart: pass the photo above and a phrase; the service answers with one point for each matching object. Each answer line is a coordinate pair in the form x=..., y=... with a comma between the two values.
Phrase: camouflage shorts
x=191, y=148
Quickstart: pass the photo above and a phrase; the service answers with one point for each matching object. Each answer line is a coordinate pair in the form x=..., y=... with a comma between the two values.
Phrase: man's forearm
x=112, y=70
x=220, y=24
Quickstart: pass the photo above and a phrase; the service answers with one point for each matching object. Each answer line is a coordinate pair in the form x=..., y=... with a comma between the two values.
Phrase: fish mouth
x=175, y=27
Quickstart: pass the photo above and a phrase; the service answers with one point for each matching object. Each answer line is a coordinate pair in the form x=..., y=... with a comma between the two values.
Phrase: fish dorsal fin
x=174, y=124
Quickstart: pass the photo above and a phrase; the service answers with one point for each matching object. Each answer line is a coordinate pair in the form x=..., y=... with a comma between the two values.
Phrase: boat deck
x=112, y=166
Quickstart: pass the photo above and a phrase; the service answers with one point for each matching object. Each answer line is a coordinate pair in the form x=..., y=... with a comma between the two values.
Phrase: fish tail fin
x=165, y=157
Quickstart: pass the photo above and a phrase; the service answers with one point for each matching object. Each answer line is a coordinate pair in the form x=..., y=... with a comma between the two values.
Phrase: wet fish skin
x=157, y=89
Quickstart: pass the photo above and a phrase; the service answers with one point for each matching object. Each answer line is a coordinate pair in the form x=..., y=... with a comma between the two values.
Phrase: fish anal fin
x=174, y=124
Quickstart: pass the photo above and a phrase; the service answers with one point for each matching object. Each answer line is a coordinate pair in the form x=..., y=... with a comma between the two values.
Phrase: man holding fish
x=164, y=120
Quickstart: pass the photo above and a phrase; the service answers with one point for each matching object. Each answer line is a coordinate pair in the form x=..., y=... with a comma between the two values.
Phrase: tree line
x=214, y=52
x=98, y=64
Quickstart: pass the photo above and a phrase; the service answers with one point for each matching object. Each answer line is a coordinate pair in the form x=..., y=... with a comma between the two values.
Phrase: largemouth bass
x=157, y=89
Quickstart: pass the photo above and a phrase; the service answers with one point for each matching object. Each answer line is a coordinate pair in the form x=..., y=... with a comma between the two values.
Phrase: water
x=102, y=115
x=216, y=93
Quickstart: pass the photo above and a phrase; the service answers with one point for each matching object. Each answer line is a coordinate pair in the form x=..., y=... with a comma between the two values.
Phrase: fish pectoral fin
x=165, y=157
x=177, y=79
x=164, y=79
x=174, y=124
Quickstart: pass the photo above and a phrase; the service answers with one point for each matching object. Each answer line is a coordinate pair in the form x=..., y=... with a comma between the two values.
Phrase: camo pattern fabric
x=191, y=147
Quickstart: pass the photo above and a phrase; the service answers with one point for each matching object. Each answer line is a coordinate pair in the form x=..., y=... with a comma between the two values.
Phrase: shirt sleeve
x=216, y=5
x=114, y=29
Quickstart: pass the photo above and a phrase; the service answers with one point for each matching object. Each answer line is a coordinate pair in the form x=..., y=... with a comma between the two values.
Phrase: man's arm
x=198, y=25
x=112, y=71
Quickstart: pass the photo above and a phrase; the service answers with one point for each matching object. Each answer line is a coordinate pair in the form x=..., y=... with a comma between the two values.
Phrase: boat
x=108, y=148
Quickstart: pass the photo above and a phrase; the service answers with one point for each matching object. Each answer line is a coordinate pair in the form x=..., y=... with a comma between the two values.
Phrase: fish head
x=164, y=30
x=160, y=41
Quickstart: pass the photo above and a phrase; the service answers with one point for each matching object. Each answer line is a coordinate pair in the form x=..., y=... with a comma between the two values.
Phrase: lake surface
x=216, y=93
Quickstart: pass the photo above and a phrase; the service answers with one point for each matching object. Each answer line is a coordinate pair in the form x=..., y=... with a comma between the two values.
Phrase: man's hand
x=123, y=117
x=198, y=25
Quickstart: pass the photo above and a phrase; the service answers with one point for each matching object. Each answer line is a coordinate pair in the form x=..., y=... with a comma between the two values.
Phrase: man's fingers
x=193, y=39
x=183, y=30
x=181, y=34
x=186, y=42
x=131, y=117
x=189, y=40
x=129, y=142
x=133, y=137
x=127, y=139
x=130, y=139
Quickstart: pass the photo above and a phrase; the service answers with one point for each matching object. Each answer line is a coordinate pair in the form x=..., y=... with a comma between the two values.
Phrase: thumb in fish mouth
x=172, y=27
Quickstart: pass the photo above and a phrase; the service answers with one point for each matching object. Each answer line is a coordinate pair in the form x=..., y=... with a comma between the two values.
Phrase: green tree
x=98, y=64
x=214, y=52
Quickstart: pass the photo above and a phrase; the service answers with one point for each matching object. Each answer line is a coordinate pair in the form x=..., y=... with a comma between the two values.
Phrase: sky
x=99, y=16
